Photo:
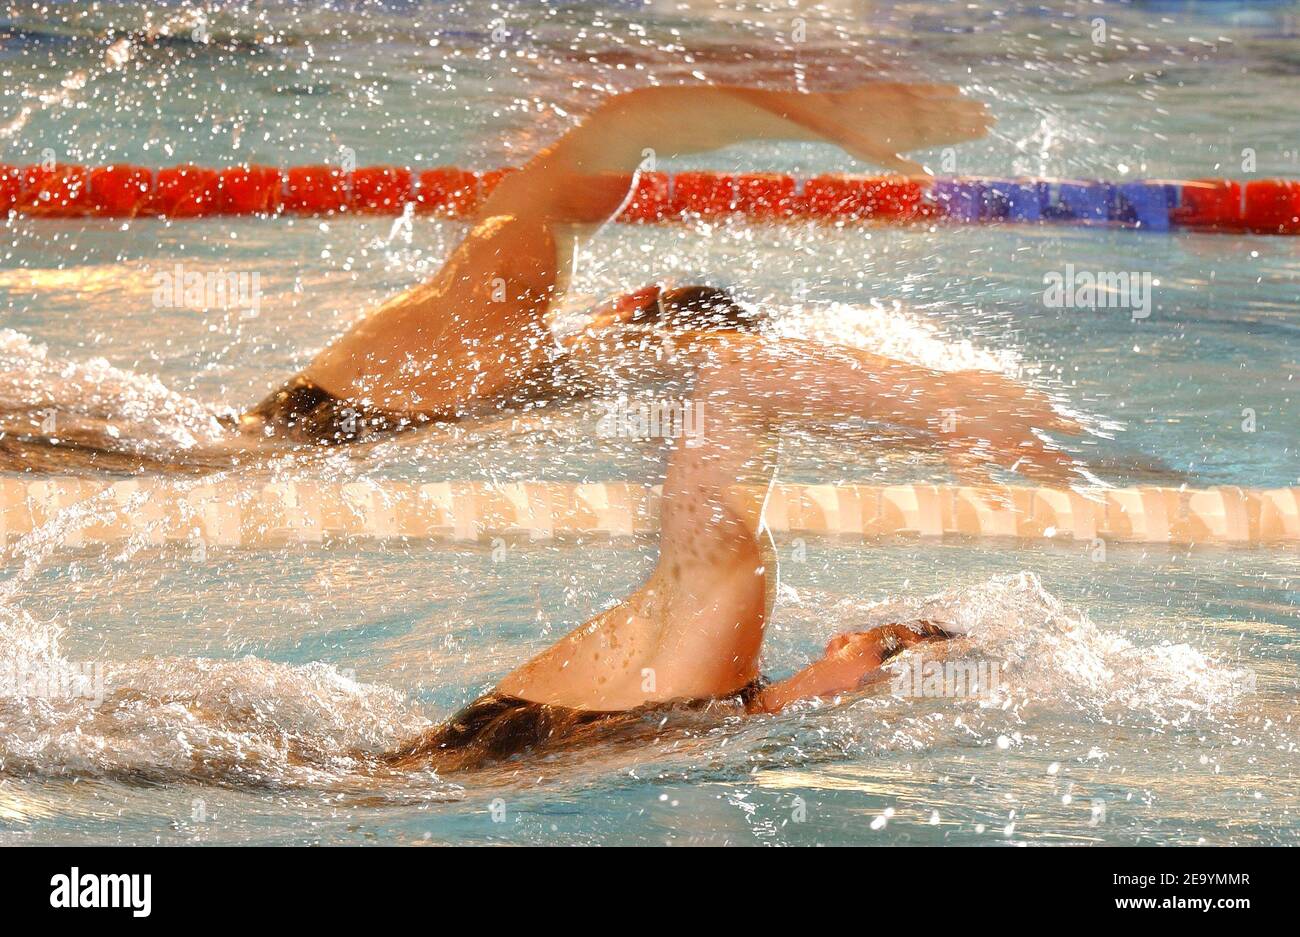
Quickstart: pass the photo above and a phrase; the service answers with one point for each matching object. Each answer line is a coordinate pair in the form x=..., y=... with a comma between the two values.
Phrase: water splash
x=891, y=330
x=1053, y=655
x=94, y=398
x=246, y=722
x=259, y=724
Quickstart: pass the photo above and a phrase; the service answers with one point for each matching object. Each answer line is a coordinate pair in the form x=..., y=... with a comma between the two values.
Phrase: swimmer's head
x=701, y=308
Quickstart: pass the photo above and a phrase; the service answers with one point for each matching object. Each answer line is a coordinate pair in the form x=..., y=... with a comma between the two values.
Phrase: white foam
x=245, y=722
x=128, y=407
x=890, y=330
x=1053, y=654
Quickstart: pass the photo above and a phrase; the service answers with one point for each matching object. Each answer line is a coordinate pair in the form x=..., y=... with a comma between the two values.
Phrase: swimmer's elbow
x=770, y=701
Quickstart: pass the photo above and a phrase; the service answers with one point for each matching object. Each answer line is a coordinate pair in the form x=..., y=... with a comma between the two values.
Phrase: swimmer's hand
x=994, y=421
x=878, y=121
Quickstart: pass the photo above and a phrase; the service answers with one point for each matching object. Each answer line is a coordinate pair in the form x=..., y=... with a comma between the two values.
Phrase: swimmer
x=623, y=343
x=498, y=727
x=690, y=636
x=474, y=339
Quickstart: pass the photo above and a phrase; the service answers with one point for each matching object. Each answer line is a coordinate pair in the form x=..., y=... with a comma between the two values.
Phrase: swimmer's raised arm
x=477, y=327
x=874, y=122
x=696, y=625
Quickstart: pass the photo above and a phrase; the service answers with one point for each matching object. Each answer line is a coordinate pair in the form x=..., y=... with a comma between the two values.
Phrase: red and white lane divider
x=1264, y=206
x=237, y=513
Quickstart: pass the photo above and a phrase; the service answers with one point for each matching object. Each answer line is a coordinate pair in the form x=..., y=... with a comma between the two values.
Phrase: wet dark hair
x=705, y=308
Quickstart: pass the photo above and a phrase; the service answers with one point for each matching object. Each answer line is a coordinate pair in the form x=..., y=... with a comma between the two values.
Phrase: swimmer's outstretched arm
x=965, y=416
x=838, y=672
x=477, y=327
x=851, y=662
x=976, y=419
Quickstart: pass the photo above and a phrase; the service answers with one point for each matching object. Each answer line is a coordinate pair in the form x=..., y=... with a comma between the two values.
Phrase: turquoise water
x=1152, y=695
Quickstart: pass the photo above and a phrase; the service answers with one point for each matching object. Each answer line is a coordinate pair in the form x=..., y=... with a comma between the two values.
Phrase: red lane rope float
x=1263, y=206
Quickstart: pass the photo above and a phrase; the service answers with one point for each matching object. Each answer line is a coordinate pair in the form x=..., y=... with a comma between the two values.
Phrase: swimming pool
x=1150, y=694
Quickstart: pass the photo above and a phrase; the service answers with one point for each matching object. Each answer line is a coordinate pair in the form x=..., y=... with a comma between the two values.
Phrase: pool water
x=1149, y=694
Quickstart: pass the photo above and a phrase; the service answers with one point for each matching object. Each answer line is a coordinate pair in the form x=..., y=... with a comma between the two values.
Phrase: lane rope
x=233, y=512
x=1261, y=206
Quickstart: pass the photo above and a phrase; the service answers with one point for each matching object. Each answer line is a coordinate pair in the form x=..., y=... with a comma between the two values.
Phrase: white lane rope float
x=240, y=512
